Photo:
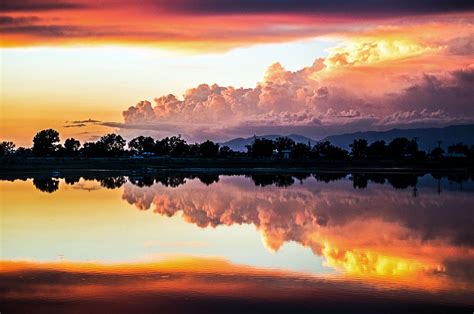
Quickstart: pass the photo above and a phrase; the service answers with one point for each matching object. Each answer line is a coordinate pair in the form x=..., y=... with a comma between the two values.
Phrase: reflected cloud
x=380, y=231
x=384, y=226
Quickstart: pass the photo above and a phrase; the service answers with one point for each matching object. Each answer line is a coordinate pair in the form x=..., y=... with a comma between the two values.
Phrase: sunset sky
x=219, y=69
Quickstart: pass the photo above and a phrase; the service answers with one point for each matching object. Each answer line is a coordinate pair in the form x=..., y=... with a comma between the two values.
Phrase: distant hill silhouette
x=427, y=138
x=238, y=144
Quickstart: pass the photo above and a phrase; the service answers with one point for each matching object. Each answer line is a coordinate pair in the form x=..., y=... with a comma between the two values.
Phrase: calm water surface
x=336, y=242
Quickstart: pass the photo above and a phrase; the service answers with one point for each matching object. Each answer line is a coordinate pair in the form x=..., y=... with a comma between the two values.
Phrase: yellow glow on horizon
x=42, y=87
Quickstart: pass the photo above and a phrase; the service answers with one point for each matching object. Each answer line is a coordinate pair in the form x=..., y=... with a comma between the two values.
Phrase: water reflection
x=46, y=184
x=190, y=285
x=360, y=180
x=383, y=230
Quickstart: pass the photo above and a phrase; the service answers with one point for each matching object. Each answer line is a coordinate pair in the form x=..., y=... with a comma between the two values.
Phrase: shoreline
x=231, y=165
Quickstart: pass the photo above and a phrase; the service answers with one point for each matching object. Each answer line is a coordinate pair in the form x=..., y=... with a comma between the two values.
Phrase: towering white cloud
x=367, y=83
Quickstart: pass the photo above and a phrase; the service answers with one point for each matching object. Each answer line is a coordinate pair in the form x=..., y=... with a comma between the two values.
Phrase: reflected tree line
x=50, y=183
x=47, y=143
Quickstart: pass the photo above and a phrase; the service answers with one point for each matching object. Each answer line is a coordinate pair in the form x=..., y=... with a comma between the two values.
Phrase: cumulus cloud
x=363, y=84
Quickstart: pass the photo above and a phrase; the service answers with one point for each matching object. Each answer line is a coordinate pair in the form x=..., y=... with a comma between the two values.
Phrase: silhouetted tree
x=7, y=148
x=112, y=182
x=359, y=181
x=326, y=150
x=377, y=149
x=112, y=144
x=171, y=181
x=284, y=143
x=178, y=146
x=437, y=153
x=329, y=176
x=470, y=152
x=225, y=151
x=48, y=185
x=142, y=181
x=300, y=150
x=402, y=181
x=71, y=147
x=459, y=149
x=208, y=179
x=142, y=144
x=284, y=180
x=22, y=151
x=401, y=147
x=194, y=150
x=261, y=148
x=92, y=149
x=359, y=149
x=162, y=147
x=209, y=149
x=70, y=180
x=44, y=142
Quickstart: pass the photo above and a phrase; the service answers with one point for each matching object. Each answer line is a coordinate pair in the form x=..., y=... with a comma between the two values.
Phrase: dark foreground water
x=175, y=242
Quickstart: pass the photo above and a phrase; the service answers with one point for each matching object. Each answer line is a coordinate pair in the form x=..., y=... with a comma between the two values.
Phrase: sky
x=216, y=70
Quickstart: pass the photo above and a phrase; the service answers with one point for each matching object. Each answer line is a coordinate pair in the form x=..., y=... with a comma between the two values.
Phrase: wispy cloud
x=222, y=24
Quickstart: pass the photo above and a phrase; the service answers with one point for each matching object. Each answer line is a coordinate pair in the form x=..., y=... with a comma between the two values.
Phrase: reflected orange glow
x=374, y=266
x=207, y=276
x=374, y=242
x=378, y=241
x=172, y=275
x=162, y=263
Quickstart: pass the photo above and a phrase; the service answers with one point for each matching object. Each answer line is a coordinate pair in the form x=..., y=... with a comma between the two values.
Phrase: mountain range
x=427, y=138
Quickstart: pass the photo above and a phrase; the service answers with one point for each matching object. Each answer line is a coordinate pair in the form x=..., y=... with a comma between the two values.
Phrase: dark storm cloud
x=54, y=31
x=15, y=21
x=38, y=27
x=453, y=94
x=324, y=7
x=38, y=5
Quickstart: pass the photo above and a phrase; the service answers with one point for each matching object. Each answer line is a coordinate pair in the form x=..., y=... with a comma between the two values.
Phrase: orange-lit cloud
x=386, y=78
x=397, y=237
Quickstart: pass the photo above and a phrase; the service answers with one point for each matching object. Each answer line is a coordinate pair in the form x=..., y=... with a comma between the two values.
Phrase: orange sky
x=74, y=60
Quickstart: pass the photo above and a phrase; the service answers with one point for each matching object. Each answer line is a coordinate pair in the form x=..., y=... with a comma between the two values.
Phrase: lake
x=245, y=242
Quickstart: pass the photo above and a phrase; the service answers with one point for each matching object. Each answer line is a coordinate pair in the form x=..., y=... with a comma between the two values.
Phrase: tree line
x=47, y=143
